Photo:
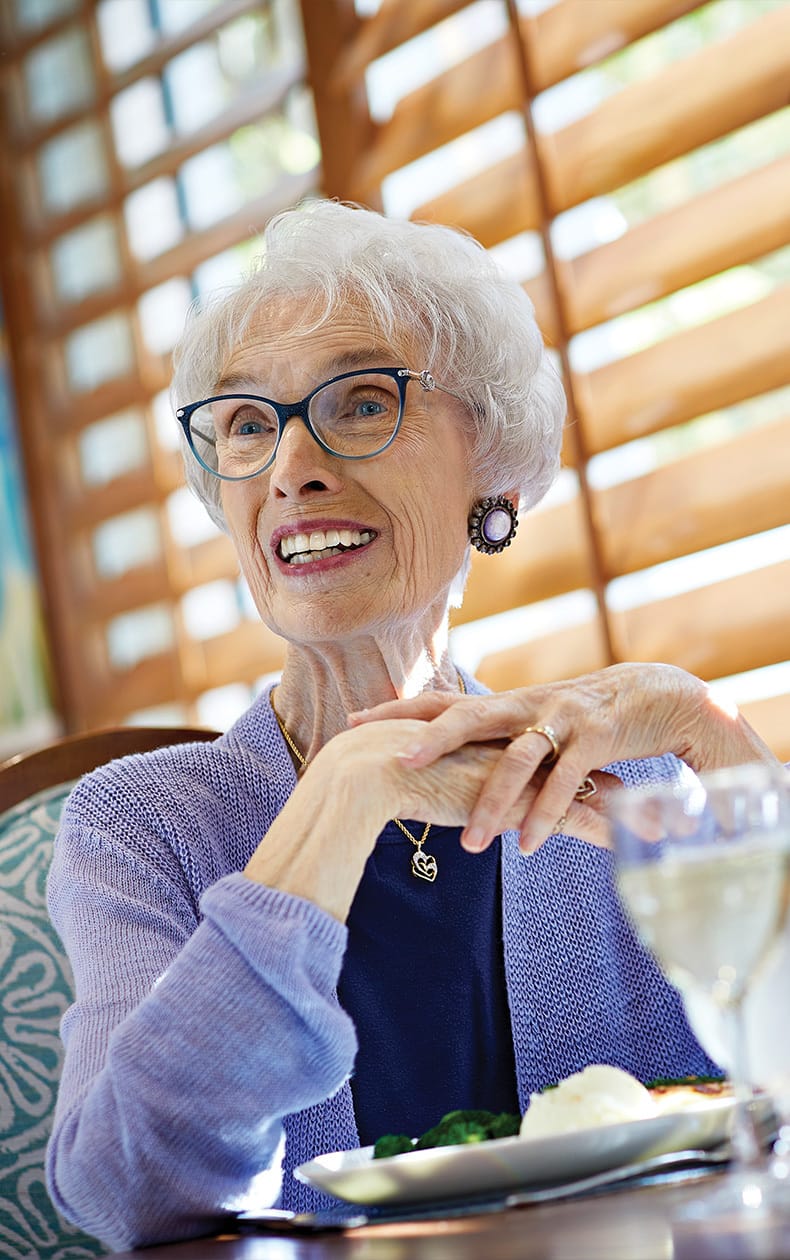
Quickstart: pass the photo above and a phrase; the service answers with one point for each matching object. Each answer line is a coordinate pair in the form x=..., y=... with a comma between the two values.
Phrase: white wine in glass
x=703, y=868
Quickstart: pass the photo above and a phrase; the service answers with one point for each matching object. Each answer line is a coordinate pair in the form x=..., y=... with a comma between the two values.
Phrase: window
x=147, y=140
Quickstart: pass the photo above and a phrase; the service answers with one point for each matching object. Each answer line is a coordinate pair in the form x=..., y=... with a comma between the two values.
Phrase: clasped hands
x=551, y=741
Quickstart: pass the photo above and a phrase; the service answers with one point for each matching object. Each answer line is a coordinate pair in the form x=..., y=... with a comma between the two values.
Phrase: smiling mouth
x=321, y=544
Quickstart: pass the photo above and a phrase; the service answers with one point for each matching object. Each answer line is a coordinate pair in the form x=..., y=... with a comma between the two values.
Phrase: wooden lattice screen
x=679, y=435
x=145, y=144
x=629, y=159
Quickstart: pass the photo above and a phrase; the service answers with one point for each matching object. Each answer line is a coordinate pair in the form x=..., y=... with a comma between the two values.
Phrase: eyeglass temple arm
x=210, y=440
x=425, y=378
x=428, y=383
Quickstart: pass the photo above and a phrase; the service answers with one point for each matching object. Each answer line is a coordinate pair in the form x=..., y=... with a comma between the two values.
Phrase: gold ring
x=559, y=824
x=551, y=735
x=586, y=789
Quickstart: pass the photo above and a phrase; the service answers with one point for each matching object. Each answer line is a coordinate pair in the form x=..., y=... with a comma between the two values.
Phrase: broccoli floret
x=457, y=1128
x=452, y=1133
x=505, y=1125
x=391, y=1144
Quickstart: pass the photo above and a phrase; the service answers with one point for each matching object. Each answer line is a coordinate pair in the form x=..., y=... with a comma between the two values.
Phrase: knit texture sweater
x=207, y=1054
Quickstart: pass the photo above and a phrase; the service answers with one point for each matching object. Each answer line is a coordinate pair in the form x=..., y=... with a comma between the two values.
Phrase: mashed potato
x=598, y=1095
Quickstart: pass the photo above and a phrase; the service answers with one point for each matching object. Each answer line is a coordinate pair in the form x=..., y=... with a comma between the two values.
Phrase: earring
x=492, y=524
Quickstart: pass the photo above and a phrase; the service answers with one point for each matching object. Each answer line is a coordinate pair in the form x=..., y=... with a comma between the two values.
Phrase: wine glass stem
x=745, y=1138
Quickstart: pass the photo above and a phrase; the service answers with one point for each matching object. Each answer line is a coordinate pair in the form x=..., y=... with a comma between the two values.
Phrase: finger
x=556, y=809
x=501, y=798
x=582, y=822
x=424, y=707
x=471, y=719
x=553, y=801
x=525, y=755
x=645, y=822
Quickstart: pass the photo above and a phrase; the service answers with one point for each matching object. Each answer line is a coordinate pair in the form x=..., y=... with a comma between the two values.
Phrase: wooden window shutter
x=146, y=145
x=669, y=538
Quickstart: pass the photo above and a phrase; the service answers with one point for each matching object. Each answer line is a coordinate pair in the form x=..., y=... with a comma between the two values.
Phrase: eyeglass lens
x=353, y=417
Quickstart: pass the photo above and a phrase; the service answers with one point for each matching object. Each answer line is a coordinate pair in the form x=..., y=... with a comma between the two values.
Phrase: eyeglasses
x=355, y=416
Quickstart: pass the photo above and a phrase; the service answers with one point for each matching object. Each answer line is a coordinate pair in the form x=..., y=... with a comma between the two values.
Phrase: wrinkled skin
x=625, y=711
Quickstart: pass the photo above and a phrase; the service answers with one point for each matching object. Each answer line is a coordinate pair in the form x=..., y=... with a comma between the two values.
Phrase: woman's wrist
x=318, y=845
x=721, y=735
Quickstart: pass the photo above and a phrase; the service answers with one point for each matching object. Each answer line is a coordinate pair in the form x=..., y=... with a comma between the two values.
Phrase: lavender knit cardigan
x=206, y=1051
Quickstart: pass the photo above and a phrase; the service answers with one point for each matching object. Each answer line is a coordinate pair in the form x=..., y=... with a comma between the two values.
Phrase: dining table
x=648, y=1222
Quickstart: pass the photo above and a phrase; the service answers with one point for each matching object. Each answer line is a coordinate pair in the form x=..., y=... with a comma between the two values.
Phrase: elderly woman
x=322, y=927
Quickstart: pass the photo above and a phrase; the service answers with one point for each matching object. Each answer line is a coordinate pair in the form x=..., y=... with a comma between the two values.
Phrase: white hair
x=472, y=324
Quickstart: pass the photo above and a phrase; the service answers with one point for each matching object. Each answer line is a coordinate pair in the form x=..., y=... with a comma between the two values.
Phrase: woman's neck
x=322, y=684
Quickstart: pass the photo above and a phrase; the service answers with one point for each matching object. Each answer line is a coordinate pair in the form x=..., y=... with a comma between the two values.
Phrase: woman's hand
x=445, y=790
x=625, y=711
x=318, y=845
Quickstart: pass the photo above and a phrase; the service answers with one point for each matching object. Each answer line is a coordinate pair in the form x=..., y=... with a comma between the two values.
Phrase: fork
x=695, y=1162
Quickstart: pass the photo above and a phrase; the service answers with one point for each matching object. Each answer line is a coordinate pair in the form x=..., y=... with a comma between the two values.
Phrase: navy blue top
x=432, y=1019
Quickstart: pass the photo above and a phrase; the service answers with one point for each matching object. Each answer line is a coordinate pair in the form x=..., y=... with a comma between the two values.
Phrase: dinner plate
x=515, y=1163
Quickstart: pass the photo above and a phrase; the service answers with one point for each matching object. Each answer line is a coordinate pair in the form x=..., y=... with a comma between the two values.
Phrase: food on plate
x=600, y=1094
x=689, y=1092
x=392, y=1144
x=457, y=1128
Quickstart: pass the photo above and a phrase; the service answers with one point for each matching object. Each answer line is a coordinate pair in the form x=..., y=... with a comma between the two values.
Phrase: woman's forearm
x=318, y=845
x=182, y=1061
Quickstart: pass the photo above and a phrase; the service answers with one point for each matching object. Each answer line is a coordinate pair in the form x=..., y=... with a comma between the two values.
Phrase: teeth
x=301, y=548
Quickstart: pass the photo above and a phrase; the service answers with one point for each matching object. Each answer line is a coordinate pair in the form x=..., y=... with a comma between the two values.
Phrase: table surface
x=635, y=1224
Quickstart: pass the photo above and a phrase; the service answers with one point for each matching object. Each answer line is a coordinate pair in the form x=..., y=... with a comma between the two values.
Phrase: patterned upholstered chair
x=36, y=984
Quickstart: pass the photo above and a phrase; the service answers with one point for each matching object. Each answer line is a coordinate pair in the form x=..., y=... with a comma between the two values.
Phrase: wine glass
x=703, y=868
x=767, y=1020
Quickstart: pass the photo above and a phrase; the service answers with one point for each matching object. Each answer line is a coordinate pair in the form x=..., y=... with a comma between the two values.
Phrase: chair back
x=69, y=758
x=36, y=985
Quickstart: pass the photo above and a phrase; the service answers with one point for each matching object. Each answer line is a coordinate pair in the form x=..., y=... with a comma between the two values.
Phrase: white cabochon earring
x=492, y=524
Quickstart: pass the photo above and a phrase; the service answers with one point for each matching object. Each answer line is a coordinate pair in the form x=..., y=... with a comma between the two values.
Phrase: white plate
x=506, y=1164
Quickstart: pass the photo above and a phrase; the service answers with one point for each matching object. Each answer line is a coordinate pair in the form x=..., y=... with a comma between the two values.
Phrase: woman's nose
x=301, y=467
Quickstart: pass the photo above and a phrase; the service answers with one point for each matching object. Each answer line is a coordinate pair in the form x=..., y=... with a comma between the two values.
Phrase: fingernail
x=473, y=839
x=527, y=845
x=357, y=713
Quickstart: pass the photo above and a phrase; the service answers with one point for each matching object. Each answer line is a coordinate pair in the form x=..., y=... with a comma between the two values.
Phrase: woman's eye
x=248, y=423
x=371, y=408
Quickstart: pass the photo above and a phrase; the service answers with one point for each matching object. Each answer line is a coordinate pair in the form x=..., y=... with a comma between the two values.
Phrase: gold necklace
x=423, y=865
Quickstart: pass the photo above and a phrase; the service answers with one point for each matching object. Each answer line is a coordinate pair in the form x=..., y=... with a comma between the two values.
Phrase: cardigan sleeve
x=193, y=1033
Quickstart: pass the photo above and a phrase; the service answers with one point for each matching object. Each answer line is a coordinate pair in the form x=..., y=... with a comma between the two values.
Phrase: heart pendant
x=424, y=866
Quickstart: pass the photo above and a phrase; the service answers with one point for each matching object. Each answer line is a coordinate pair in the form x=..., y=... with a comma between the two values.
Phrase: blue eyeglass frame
x=299, y=410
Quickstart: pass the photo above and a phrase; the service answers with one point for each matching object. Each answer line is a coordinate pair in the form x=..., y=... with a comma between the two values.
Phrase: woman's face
x=409, y=505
